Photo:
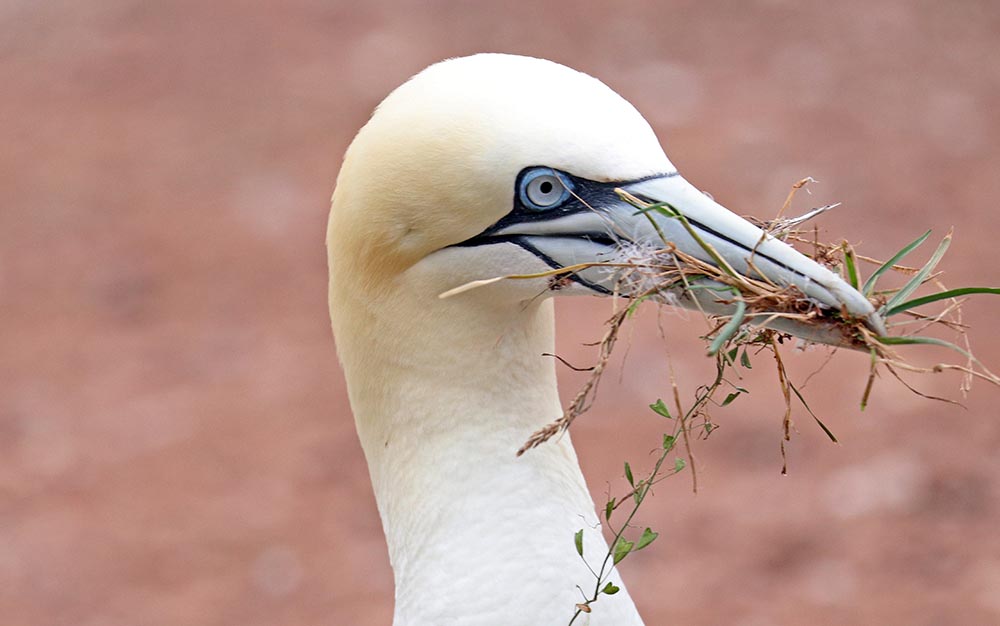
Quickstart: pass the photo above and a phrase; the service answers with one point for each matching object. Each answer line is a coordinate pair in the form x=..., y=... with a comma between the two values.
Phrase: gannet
x=479, y=167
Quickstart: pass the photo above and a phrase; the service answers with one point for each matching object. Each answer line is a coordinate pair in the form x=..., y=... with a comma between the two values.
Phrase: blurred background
x=176, y=446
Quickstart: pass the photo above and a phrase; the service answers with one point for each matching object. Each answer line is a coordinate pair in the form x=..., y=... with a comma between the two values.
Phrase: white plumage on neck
x=444, y=392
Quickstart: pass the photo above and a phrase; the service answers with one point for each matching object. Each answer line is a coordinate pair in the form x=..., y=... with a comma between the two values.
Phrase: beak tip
x=876, y=324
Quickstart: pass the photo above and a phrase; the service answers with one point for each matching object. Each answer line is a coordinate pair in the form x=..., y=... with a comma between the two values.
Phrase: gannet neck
x=444, y=392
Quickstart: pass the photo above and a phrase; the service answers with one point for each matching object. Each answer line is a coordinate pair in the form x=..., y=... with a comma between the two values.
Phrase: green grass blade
x=851, y=265
x=918, y=278
x=634, y=306
x=930, y=341
x=934, y=297
x=729, y=329
x=934, y=341
x=721, y=263
x=870, y=283
x=668, y=210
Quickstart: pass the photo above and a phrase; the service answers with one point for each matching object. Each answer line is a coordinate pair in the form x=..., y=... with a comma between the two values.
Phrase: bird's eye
x=543, y=188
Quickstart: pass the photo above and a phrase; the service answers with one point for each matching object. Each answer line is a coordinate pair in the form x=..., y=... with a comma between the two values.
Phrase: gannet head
x=496, y=164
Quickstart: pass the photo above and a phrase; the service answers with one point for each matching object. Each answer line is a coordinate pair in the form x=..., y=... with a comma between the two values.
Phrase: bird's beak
x=585, y=236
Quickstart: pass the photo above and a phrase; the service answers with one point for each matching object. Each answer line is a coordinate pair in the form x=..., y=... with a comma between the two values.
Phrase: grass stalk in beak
x=756, y=313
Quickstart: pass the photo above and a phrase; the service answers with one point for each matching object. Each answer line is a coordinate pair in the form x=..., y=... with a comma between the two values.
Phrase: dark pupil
x=545, y=187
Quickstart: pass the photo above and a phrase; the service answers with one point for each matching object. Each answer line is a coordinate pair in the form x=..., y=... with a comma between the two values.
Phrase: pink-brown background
x=176, y=446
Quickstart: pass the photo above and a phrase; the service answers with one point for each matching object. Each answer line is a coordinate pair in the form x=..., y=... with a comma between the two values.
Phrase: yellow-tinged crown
x=437, y=162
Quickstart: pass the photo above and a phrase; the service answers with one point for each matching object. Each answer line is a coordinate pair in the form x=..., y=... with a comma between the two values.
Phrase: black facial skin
x=585, y=195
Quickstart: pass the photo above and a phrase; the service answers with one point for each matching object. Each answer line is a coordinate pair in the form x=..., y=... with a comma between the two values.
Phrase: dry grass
x=754, y=315
x=758, y=307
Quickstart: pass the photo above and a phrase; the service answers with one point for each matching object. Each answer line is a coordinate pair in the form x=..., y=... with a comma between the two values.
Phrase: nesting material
x=749, y=315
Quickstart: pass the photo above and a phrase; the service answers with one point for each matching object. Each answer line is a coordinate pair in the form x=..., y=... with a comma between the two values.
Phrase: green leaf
x=621, y=550
x=851, y=265
x=679, y=464
x=934, y=297
x=661, y=409
x=896, y=258
x=745, y=360
x=578, y=540
x=648, y=536
x=730, y=398
x=628, y=474
x=609, y=509
x=918, y=278
x=731, y=355
x=669, y=441
x=610, y=589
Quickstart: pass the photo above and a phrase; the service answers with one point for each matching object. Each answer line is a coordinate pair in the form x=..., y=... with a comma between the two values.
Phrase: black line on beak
x=574, y=276
x=726, y=238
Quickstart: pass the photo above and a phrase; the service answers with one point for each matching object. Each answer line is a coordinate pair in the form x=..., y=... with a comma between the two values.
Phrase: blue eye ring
x=543, y=188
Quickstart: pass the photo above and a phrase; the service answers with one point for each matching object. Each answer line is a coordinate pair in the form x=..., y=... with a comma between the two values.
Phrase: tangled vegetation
x=751, y=317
